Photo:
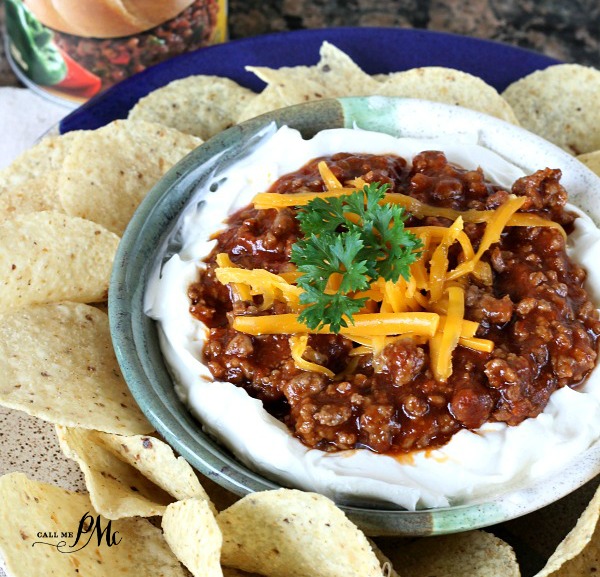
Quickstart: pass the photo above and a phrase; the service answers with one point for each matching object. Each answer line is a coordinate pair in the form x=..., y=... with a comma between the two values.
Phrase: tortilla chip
x=289, y=533
x=450, y=87
x=475, y=553
x=116, y=489
x=108, y=171
x=560, y=104
x=50, y=257
x=591, y=160
x=384, y=561
x=334, y=76
x=57, y=363
x=194, y=536
x=128, y=547
x=268, y=100
x=47, y=155
x=33, y=195
x=382, y=77
x=198, y=105
x=232, y=572
x=155, y=460
x=579, y=553
x=218, y=495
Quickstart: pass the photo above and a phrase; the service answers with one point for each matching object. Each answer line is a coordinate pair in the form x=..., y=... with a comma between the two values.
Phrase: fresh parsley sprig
x=357, y=237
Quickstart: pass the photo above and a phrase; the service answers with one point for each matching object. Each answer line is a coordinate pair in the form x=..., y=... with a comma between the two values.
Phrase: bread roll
x=105, y=18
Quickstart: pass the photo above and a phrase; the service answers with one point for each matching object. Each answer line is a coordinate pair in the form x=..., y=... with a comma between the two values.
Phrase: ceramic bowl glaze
x=135, y=335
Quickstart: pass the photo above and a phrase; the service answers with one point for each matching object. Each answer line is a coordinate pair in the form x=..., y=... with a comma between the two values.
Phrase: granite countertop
x=564, y=30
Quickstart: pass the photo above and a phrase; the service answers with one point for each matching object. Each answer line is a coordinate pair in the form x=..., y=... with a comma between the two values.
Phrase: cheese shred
x=368, y=324
x=443, y=343
x=298, y=346
x=428, y=308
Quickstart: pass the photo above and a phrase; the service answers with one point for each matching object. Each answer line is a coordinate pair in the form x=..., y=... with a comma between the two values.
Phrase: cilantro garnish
x=356, y=237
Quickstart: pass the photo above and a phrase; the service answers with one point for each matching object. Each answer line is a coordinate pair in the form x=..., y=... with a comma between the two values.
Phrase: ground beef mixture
x=540, y=318
x=113, y=59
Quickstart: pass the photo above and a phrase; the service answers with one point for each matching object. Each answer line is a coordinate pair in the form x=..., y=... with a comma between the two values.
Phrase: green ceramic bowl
x=135, y=334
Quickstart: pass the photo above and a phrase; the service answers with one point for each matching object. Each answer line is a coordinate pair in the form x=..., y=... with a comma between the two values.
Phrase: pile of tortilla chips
x=63, y=206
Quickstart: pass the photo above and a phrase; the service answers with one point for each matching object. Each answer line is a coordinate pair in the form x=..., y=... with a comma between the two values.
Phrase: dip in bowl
x=460, y=455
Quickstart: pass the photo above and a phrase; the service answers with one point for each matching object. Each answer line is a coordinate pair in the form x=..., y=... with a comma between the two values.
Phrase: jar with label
x=71, y=50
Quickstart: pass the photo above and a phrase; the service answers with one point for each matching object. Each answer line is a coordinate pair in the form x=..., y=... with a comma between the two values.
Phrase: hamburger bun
x=105, y=18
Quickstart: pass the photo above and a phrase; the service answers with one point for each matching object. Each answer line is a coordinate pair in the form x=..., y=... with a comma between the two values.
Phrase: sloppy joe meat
x=536, y=311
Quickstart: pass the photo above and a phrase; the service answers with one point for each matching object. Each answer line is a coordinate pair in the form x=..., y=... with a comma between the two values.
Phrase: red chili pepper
x=78, y=81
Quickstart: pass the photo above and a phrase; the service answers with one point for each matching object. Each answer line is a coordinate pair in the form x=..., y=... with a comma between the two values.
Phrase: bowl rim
x=138, y=355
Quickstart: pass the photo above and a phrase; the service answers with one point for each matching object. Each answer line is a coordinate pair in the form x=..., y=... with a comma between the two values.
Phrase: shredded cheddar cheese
x=330, y=180
x=369, y=324
x=241, y=291
x=492, y=234
x=265, y=200
x=483, y=345
x=261, y=282
x=428, y=308
x=443, y=343
x=298, y=345
x=439, y=260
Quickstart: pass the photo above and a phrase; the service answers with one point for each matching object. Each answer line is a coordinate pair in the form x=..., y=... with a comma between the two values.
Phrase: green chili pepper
x=32, y=46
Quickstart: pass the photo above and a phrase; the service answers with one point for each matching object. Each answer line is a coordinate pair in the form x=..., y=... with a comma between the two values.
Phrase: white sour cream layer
x=474, y=464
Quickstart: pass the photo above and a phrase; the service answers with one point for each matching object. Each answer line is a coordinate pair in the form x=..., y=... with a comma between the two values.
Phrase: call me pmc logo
x=89, y=527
